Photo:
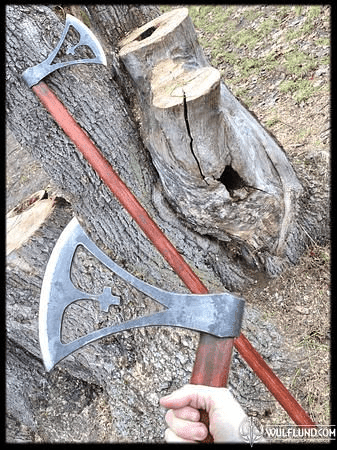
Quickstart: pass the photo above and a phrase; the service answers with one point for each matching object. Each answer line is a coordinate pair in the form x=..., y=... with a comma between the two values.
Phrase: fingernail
x=200, y=434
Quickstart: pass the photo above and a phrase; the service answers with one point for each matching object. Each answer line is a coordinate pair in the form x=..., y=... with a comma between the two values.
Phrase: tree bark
x=159, y=145
x=221, y=171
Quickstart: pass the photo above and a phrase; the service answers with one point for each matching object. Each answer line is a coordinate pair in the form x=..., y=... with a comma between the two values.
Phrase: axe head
x=216, y=314
x=35, y=74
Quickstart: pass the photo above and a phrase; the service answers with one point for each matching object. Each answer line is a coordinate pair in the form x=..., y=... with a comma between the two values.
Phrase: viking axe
x=213, y=357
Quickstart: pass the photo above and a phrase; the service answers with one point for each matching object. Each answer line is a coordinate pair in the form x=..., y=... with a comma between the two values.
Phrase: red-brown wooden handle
x=212, y=362
x=211, y=368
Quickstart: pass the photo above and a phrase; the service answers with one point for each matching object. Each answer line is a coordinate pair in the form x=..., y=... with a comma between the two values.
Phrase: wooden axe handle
x=213, y=356
x=211, y=368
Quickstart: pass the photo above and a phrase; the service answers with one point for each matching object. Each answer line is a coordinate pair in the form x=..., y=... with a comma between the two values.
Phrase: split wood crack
x=222, y=178
x=191, y=138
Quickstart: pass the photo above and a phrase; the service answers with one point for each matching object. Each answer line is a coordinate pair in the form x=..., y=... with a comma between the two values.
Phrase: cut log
x=221, y=171
x=25, y=219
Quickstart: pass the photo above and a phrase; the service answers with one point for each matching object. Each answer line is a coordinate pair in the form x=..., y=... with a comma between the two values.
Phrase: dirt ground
x=275, y=59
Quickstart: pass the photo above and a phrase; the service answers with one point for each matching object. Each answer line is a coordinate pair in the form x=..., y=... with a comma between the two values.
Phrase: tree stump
x=222, y=173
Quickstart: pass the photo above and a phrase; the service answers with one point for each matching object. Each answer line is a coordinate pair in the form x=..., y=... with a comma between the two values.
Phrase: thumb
x=196, y=396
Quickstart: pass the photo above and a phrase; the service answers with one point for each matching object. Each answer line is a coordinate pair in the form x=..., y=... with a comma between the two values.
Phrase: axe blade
x=216, y=314
x=34, y=75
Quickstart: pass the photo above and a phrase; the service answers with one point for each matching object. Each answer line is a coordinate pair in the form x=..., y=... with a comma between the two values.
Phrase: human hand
x=225, y=414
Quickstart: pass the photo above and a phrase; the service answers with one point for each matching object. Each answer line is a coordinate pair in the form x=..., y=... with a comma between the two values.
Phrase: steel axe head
x=35, y=74
x=216, y=314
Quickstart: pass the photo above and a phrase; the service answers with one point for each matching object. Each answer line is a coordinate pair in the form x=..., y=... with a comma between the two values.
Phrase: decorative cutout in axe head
x=35, y=74
x=216, y=314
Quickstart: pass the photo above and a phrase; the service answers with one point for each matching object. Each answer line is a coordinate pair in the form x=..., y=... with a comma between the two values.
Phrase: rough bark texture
x=221, y=171
x=109, y=391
